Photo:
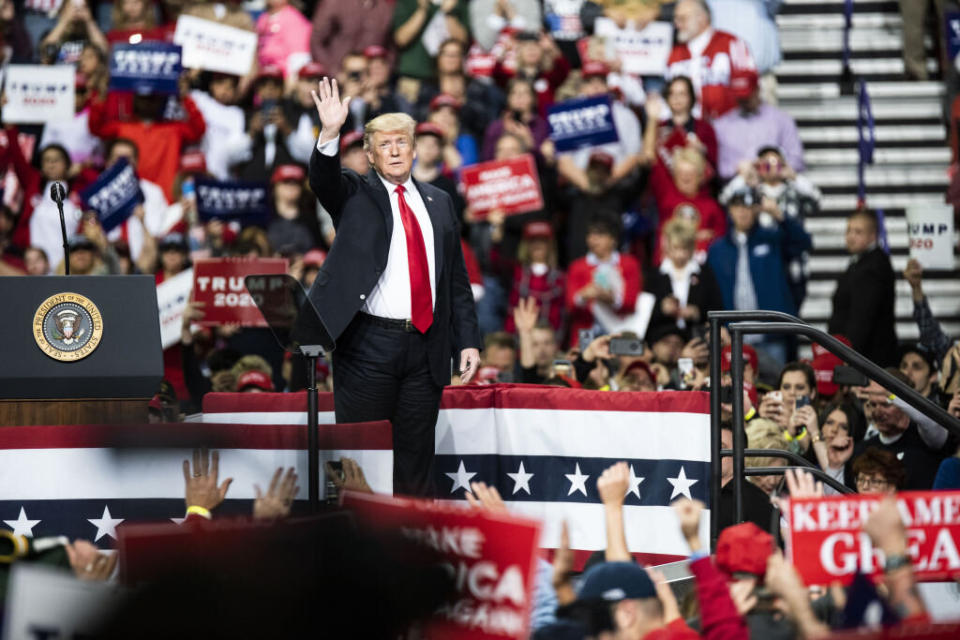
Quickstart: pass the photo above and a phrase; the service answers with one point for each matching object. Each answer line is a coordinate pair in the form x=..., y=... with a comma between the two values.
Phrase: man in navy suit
x=393, y=292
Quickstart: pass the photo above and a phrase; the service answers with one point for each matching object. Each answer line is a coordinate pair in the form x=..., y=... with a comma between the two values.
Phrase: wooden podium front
x=73, y=411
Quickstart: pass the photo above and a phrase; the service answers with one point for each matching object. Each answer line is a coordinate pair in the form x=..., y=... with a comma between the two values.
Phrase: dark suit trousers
x=382, y=373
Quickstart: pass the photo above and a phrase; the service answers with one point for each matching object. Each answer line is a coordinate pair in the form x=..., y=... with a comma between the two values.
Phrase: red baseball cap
x=374, y=51
x=744, y=548
x=642, y=365
x=270, y=72
x=288, y=172
x=350, y=139
x=312, y=70
x=593, y=69
x=538, y=229
x=601, y=157
x=193, y=162
x=314, y=257
x=744, y=83
x=256, y=379
x=823, y=364
x=430, y=129
x=749, y=354
x=444, y=100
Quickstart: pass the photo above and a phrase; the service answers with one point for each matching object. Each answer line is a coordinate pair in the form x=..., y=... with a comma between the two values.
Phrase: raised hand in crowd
x=351, y=478
x=485, y=497
x=89, y=563
x=913, y=274
x=773, y=408
x=671, y=608
x=783, y=580
x=804, y=417
x=954, y=407
x=333, y=113
x=525, y=314
x=563, y=568
x=277, y=501
x=802, y=484
x=202, y=493
x=688, y=514
x=889, y=535
x=191, y=313
x=599, y=347
x=612, y=485
x=697, y=349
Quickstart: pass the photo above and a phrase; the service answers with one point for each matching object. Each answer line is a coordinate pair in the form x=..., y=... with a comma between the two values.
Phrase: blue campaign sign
x=245, y=202
x=952, y=22
x=148, y=67
x=583, y=122
x=114, y=195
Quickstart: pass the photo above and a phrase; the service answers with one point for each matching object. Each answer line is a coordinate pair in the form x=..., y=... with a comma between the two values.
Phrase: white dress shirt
x=390, y=298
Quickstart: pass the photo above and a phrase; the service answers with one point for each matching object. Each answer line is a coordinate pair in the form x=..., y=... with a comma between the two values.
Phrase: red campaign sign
x=218, y=282
x=493, y=558
x=511, y=185
x=827, y=542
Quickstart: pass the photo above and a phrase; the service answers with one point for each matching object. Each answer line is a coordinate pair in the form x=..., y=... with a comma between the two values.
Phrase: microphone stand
x=56, y=192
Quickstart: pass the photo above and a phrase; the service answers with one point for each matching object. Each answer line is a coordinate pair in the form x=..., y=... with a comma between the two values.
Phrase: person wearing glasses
x=877, y=471
x=919, y=445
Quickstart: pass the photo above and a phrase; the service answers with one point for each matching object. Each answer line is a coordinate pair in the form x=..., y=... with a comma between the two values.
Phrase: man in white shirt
x=393, y=292
x=154, y=202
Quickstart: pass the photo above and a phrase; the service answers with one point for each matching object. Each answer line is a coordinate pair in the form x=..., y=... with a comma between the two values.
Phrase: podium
x=78, y=349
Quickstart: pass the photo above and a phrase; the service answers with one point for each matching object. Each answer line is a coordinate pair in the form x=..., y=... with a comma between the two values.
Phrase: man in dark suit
x=393, y=292
x=864, y=300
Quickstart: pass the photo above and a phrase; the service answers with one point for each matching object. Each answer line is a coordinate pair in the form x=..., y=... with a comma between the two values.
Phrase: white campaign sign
x=642, y=53
x=39, y=93
x=930, y=228
x=212, y=46
x=172, y=297
x=43, y=602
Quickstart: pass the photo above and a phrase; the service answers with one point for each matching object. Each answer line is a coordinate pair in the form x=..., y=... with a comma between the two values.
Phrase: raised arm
x=326, y=180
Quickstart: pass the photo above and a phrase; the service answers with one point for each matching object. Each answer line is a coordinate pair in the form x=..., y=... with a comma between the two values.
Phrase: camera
x=626, y=347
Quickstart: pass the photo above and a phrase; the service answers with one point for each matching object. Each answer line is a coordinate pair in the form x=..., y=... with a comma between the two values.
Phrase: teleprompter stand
x=298, y=328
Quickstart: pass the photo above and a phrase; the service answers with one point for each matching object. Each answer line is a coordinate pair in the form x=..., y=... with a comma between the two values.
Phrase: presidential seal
x=67, y=327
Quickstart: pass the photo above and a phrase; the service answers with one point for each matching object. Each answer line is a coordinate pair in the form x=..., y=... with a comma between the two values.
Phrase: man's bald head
x=691, y=18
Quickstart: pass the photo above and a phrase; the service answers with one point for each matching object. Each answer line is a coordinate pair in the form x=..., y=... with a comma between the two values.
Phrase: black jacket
x=863, y=307
x=704, y=293
x=360, y=208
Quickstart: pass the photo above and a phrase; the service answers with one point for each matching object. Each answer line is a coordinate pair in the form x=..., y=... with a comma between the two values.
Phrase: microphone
x=57, y=193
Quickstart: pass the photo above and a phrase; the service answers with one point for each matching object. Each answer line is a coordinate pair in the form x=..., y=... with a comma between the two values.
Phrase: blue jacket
x=770, y=251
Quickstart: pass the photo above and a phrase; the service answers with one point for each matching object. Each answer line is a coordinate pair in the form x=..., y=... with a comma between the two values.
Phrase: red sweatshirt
x=702, y=209
x=160, y=143
x=581, y=273
x=719, y=619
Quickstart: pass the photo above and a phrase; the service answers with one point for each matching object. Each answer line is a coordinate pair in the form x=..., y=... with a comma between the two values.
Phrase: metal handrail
x=716, y=318
x=817, y=472
x=834, y=346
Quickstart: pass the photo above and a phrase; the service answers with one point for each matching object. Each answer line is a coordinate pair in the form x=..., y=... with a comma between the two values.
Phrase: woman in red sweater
x=603, y=276
x=537, y=275
x=679, y=192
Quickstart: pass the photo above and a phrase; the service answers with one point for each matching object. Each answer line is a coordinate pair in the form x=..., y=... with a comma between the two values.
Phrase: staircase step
x=846, y=203
x=860, y=67
x=820, y=264
x=816, y=22
x=865, y=41
x=882, y=133
x=906, y=157
x=845, y=108
x=899, y=90
x=934, y=289
x=880, y=176
x=822, y=6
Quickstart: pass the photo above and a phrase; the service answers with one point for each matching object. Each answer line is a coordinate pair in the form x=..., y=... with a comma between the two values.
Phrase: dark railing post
x=716, y=475
x=736, y=372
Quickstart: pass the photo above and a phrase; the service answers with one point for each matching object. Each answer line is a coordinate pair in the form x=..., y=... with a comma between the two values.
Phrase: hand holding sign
x=333, y=113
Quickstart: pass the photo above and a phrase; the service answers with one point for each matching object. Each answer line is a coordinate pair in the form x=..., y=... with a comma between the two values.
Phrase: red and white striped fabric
x=544, y=449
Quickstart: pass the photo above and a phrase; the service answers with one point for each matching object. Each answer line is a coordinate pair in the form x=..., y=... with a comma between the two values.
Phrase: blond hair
x=765, y=434
x=690, y=156
x=681, y=232
x=389, y=122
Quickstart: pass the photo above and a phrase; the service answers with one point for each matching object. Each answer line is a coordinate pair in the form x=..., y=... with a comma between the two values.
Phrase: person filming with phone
x=393, y=292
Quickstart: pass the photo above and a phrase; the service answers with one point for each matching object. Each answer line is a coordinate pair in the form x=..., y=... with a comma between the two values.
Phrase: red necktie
x=421, y=298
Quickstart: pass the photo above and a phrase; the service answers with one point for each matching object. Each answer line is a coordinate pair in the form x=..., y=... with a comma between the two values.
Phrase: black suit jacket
x=863, y=307
x=704, y=293
x=360, y=208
